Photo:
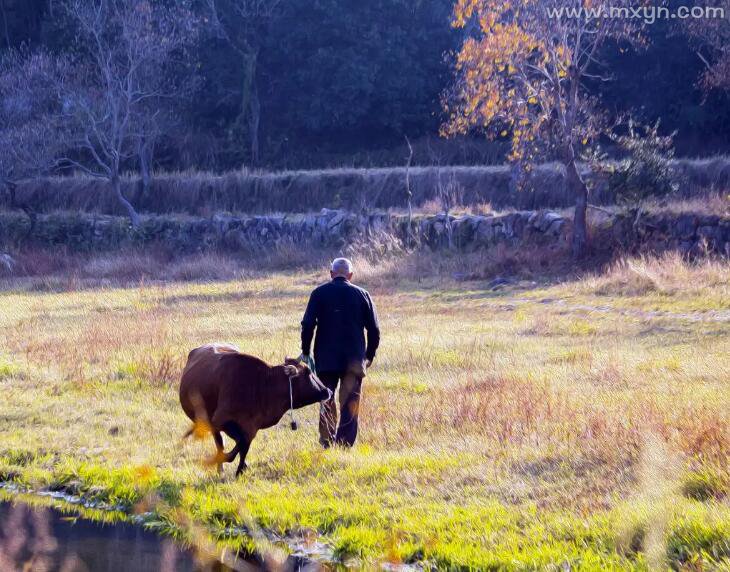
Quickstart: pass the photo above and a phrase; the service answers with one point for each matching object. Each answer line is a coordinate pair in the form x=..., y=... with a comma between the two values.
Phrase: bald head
x=341, y=268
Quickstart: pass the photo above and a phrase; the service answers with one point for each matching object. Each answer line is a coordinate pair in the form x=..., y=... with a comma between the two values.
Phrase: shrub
x=647, y=170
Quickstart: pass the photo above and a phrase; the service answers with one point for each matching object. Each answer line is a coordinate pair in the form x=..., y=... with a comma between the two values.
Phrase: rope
x=309, y=362
x=293, y=422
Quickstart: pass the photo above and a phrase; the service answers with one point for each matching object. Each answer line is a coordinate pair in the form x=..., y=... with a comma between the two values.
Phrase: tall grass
x=667, y=274
x=305, y=191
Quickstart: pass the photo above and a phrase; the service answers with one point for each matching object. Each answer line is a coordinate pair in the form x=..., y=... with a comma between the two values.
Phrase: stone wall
x=329, y=228
x=688, y=233
x=337, y=229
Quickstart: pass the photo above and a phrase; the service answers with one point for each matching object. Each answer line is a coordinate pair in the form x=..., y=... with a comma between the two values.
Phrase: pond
x=44, y=540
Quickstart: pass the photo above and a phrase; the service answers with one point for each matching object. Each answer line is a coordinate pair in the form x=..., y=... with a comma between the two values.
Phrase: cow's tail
x=199, y=429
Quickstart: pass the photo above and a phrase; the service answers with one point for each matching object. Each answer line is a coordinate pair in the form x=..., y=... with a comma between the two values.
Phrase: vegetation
x=712, y=38
x=525, y=73
x=646, y=172
x=341, y=85
x=580, y=423
x=524, y=412
x=251, y=192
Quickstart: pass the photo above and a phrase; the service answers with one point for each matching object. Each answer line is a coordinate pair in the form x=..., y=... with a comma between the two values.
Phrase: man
x=340, y=312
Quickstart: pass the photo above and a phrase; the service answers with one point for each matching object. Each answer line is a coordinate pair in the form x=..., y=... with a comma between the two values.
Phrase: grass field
x=579, y=424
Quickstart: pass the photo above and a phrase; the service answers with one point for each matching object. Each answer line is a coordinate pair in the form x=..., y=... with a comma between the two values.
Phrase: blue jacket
x=340, y=312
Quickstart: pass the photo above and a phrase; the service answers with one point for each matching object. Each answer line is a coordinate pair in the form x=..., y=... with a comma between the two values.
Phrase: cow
x=229, y=392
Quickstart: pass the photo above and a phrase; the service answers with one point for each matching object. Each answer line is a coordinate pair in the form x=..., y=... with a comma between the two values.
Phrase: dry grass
x=668, y=274
x=381, y=259
x=508, y=429
x=711, y=204
x=202, y=193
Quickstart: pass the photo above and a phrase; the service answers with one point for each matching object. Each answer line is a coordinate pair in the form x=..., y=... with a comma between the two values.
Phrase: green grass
x=499, y=431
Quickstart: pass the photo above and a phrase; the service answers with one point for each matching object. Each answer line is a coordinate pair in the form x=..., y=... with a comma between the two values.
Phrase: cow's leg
x=243, y=442
x=220, y=455
x=243, y=446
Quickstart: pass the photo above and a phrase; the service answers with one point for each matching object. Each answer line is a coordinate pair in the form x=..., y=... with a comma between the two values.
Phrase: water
x=43, y=540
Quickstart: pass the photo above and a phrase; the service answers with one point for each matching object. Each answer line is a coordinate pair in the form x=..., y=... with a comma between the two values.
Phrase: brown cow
x=240, y=394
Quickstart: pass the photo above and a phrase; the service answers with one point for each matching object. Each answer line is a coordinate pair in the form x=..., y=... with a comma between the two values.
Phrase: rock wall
x=329, y=228
x=688, y=233
x=337, y=229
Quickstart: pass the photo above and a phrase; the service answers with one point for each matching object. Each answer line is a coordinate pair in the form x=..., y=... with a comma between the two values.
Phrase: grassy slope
x=504, y=430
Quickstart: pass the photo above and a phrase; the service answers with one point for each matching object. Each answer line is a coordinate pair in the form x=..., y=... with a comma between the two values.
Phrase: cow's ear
x=290, y=370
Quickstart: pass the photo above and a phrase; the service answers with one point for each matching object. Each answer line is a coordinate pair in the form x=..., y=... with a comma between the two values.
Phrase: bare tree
x=112, y=102
x=521, y=72
x=243, y=24
x=449, y=193
x=30, y=133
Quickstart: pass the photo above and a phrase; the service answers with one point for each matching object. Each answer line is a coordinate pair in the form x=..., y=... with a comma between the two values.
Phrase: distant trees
x=100, y=106
x=307, y=84
x=20, y=21
x=114, y=102
x=244, y=25
x=522, y=73
x=330, y=77
x=711, y=34
x=30, y=125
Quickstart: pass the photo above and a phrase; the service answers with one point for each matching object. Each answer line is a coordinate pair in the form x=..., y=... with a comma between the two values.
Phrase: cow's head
x=306, y=386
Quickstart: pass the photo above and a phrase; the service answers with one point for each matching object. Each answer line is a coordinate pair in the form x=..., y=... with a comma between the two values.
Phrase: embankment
x=201, y=194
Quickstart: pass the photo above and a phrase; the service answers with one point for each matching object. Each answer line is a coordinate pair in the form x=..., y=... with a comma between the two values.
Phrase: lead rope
x=309, y=361
x=293, y=423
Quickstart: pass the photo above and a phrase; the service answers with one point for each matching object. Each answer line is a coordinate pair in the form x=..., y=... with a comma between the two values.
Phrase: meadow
x=579, y=422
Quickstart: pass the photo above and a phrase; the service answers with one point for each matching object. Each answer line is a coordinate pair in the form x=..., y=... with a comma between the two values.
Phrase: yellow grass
x=512, y=429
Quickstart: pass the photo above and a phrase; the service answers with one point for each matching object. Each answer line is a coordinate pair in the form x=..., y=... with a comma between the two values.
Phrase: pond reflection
x=42, y=540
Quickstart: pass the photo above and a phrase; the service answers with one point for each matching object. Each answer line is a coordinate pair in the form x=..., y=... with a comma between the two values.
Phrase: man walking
x=340, y=312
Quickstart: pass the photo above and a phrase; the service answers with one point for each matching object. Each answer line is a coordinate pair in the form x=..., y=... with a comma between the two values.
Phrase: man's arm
x=309, y=322
x=373, y=329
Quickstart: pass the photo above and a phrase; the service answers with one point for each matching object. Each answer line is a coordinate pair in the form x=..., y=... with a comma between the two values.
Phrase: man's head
x=341, y=268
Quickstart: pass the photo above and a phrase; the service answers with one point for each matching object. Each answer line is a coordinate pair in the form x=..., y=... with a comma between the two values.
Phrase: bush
x=647, y=170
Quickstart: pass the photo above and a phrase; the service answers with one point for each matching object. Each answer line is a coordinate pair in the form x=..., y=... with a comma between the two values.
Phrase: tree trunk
x=254, y=123
x=145, y=164
x=131, y=212
x=409, y=195
x=250, y=104
x=14, y=204
x=579, y=189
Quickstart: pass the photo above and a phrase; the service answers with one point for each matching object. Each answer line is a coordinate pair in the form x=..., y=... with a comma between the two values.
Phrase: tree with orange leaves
x=521, y=72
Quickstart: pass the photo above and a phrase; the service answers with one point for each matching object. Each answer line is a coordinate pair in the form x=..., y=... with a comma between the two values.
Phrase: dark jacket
x=340, y=311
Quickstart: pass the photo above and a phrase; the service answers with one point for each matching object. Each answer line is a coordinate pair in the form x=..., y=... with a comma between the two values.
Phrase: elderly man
x=340, y=312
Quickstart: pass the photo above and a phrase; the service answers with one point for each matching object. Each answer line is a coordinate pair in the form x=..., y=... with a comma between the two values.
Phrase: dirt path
x=707, y=316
